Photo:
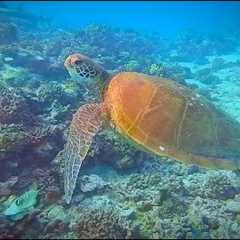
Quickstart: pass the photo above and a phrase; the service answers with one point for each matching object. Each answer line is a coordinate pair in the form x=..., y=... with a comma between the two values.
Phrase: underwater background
x=122, y=192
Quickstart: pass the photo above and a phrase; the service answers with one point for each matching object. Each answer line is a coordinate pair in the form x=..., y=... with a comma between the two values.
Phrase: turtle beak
x=69, y=64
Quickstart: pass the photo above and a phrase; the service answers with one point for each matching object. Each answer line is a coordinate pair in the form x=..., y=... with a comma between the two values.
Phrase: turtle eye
x=18, y=202
x=78, y=62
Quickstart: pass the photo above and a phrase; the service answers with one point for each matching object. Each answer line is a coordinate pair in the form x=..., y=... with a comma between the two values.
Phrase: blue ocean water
x=165, y=17
x=119, y=120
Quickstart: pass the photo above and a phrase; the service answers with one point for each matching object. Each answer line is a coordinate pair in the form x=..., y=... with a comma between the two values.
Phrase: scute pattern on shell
x=172, y=120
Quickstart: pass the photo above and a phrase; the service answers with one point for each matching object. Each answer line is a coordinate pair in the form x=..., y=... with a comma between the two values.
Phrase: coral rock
x=91, y=183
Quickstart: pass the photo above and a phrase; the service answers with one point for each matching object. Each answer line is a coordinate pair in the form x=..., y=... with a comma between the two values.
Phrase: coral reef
x=6, y=187
x=105, y=225
x=194, y=47
x=122, y=192
x=13, y=108
x=174, y=72
x=91, y=183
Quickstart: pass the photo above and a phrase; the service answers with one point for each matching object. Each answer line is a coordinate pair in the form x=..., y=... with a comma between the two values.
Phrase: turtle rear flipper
x=86, y=122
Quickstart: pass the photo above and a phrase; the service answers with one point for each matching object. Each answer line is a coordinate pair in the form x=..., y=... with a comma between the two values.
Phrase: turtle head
x=80, y=66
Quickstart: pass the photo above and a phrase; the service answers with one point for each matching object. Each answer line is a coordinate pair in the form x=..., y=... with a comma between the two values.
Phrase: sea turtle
x=160, y=115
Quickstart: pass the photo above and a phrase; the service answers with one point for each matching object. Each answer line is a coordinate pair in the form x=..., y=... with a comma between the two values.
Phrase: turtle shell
x=172, y=120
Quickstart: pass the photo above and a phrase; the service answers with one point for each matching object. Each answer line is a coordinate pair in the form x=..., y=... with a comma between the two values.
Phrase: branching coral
x=213, y=185
x=47, y=181
x=156, y=69
x=12, y=139
x=219, y=186
x=13, y=108
x=103, y=224
x=114, y=149
x=132, y=65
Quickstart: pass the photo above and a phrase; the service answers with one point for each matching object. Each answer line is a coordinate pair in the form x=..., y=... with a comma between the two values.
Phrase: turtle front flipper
x=86, y=122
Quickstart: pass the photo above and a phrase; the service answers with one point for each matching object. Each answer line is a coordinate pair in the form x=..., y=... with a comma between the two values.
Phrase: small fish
x=22, y=204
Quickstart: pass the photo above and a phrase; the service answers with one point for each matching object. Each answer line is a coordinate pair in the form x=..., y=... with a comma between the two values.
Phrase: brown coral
x=13, y=108
x=103, y=224
x=46, y=179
